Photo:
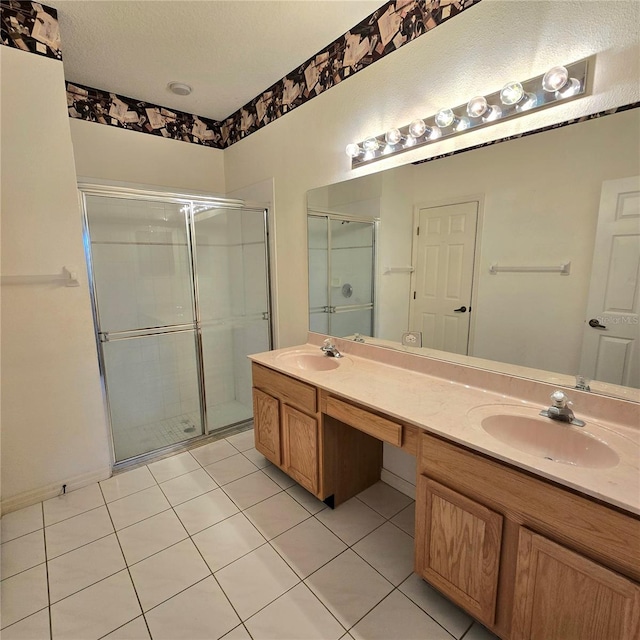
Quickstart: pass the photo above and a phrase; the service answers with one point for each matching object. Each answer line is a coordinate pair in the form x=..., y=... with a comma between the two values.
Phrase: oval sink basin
x=544, y=438
x=310, y=361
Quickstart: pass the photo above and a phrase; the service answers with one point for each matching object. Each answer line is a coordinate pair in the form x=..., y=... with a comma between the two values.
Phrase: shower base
x=134, y=441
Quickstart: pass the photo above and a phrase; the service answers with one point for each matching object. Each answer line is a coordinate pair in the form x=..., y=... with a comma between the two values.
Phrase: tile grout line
x=128, y=572
x=46, y=564
x=218, y=583
x=350, y=547
x=302, y=580
x=336, y=557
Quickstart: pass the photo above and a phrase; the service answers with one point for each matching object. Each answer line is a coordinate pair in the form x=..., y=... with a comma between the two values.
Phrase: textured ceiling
x=228, y=51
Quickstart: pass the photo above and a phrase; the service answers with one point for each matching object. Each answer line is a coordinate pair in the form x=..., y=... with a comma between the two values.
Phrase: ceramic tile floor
x=217, y=543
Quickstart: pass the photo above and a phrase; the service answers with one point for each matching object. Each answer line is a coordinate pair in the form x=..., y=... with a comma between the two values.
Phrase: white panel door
x=612, y=330
x=443, y=262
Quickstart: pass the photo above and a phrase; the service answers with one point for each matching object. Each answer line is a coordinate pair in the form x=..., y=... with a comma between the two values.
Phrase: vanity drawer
x=364, y=420
x=292, y=391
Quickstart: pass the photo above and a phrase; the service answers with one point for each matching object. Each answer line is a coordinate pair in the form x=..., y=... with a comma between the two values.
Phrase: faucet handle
x=560, y=399
x=328, y=342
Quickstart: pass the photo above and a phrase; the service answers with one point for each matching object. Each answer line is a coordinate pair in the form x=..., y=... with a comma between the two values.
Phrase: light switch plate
x=412, y=338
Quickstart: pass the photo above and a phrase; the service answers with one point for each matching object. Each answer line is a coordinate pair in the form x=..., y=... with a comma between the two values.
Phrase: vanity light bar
x=515, y=99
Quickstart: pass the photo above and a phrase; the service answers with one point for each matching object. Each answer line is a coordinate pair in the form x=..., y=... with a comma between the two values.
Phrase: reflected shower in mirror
x=341, y=273
x=524, y=253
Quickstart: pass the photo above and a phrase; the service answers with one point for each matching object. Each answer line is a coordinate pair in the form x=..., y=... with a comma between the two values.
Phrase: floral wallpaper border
x=387, y=29
x=599, y=114
x=95, y=105
x=31, y=27
x=393, y=25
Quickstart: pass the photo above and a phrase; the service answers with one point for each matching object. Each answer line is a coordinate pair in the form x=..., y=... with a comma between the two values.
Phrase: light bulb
x=417, y=128
x=433, y=133
x=511, y=93
x=477, y=106
x=371, y=144
x=353, y=150
x=514, y=94
x=393, y=136
x=462, y=124
x=529, y=100
x=557, y=80
x=445, y=118
x=493, y=113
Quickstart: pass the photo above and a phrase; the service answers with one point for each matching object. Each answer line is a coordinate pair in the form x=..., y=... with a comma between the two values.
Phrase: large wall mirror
x=522, y=256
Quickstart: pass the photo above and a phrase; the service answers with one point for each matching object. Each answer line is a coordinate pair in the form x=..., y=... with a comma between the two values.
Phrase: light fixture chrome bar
x=515, y=99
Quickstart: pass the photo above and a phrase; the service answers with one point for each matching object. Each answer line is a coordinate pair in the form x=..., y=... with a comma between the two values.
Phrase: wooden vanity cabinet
x=266, y=421
x=459, y=549
x=529, y=559
x=300, y=447
x=561, y=594
x=287, y=426
x=309, y=435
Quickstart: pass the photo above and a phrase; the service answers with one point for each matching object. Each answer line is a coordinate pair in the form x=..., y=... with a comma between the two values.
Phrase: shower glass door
x=145, y=314
x=318, y=243
x=351, y=279
x=341, y=274
x=232, y=285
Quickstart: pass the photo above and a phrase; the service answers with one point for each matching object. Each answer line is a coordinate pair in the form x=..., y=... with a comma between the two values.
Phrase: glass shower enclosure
x=180, y=292
x=342, y=255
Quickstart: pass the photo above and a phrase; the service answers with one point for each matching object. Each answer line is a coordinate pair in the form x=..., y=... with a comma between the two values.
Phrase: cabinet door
x=300, y=447
x=561, y=595
x=266, y=423
x=458, y=547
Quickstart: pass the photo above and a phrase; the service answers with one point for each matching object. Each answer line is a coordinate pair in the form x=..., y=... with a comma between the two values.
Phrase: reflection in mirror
x=341, y=273
x=522, y=253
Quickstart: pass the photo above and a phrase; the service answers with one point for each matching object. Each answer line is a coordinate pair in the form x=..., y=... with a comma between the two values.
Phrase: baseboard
x=398, y=483
x=27, y=498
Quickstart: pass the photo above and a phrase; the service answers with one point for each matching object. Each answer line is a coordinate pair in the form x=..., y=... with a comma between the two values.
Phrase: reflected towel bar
x=388, y=270
x=563, y=269
x=68, y=277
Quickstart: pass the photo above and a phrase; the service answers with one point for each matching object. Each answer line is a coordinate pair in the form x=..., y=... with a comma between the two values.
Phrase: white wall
x=116, y=155
x=53, y=425
x=475, y=53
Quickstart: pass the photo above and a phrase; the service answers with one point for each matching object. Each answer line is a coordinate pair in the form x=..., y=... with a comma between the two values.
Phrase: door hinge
x=418, y=231
x=414, y=295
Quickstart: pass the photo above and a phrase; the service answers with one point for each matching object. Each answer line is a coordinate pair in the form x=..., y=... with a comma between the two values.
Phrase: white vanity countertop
x=441, y=407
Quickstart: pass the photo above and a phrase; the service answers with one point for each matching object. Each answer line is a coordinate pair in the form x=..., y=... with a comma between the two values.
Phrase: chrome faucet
x=560, y=409
x=330, y=349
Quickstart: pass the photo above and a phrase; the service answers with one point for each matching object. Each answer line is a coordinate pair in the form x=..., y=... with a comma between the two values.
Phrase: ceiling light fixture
x=179, y=88
x=515, y=99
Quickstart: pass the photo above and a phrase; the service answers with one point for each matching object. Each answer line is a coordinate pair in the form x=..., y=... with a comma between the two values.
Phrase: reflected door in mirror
x=610, y=344
x=443, y=260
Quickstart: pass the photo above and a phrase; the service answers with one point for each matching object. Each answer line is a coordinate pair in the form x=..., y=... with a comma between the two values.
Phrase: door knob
x=460, y=310
x=595, y=323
